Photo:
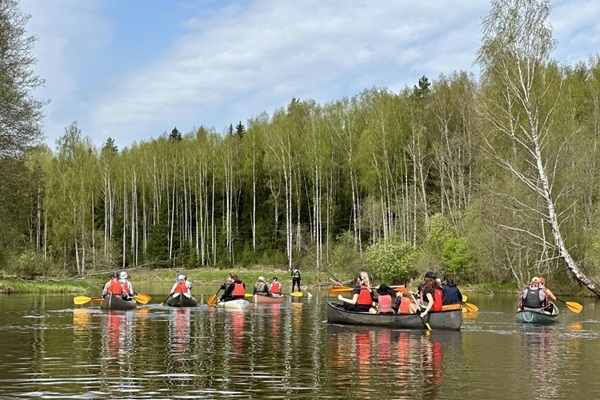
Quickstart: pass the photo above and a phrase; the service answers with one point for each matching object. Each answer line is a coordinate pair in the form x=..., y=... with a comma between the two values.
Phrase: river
x=53, y=349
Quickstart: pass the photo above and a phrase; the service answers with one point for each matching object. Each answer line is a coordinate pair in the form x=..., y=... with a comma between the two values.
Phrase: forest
x=485, y=179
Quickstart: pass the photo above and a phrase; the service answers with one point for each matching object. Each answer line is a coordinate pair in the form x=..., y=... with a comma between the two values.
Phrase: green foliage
x=439, y=231
x=31, y=264
x=345, y=258
x=459, y=259
x=392, y=263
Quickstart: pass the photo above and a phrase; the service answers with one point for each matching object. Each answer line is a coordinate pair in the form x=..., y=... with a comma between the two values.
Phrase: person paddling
x=261, y=288
x=532, y=297
x=451, y=293
x=236, y=290
x=549, y=294
x=276, y=287
x=181, y=287
x=362, y=296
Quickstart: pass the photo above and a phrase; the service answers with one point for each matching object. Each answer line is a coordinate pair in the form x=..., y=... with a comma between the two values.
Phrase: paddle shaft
x=425, y=323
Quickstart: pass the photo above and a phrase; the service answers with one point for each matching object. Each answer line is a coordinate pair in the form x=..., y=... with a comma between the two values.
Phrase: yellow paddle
x=573, y=306
x=142, y=298
x=84, y=299
x=212, y=301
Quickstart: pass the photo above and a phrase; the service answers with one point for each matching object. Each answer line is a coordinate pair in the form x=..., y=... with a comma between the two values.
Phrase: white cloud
x=231, y=63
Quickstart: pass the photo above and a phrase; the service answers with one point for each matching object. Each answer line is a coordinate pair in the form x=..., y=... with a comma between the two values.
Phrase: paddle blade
x=212, y=300
x=296, y=294
x=573, y=306
x=464, y=298
x=334, y=291
x=142, y=298
x=247, y=295
x=471, y=307
x=81, y=299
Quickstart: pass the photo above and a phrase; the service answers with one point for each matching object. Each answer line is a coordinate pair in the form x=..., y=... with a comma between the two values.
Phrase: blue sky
x=134, y=69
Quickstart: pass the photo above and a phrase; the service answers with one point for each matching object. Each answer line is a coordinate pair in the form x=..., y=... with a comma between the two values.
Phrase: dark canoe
x=114, y=302
x=275, y=299
x=182, y=301
x=538, y=317
x=446, y=320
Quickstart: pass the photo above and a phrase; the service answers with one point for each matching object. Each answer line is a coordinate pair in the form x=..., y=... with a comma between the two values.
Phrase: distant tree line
x=487, y=179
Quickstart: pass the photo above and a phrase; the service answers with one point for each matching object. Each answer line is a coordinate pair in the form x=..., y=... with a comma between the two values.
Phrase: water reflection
x=179, y=334
x=117, y=337
x=287, y=351
x=409, y=359
x=540, y=354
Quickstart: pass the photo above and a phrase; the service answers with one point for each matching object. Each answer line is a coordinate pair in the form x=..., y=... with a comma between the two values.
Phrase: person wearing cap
x=549, y=294
x=276, y=287
x=362, y=296
x=384, y=299
x=126, y=287
x=532, y=297
x=181, y=286
x=295, y=277
x=451, y=293
x=112, y=286
x=261, y=288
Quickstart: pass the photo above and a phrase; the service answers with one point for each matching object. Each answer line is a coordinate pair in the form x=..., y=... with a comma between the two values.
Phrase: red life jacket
x=438, y=299
x=238, y=289
x=364, y=297
x=181, y=287
x=276, y=288
x=404, y=307
x=385, y=303
x=115, y=287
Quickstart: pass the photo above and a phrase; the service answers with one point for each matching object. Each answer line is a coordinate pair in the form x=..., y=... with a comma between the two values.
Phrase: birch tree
x=520, y=99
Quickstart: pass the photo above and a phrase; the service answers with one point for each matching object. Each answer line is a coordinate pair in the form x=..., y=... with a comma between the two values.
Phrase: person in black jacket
x=452, y=294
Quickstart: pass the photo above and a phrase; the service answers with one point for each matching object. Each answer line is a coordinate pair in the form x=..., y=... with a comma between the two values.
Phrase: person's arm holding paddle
x=429, y=298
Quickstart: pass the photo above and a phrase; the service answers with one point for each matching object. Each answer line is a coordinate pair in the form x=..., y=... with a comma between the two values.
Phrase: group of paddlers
x=536, y=297
x=431, y=295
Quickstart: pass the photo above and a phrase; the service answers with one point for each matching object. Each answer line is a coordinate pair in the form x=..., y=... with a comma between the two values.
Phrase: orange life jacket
x=276, y=288
x=438, y=297
x=404, y=307
x=181, y=287
x=364, y=297
x=385, y=303
x=238, y=289
x=115, y=287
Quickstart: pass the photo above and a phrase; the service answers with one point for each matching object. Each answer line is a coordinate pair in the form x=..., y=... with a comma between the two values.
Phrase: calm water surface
x=52, y=349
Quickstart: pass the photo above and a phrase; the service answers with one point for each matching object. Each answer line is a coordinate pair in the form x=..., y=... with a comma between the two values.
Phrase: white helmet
x=261, y=278
x=181, y=278
x=123, y=275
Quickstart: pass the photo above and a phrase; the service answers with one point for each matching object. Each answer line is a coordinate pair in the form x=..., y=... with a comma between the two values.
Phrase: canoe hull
x=114, y=302
x=537, y=317
x=182, y=301
x=238, y=304
x=444, y=320
x=258, y=299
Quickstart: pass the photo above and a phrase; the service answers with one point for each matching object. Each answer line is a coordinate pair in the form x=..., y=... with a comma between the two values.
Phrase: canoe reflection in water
x=539, y=351
x=117, y=334
x=179, y=331
x=410, y=358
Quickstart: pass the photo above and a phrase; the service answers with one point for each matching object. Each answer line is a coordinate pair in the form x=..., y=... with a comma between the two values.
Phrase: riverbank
x=199, y=277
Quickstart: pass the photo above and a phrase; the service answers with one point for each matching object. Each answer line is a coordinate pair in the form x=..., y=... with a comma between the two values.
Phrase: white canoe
x=237, y=304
